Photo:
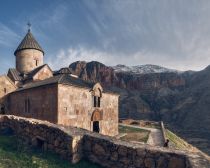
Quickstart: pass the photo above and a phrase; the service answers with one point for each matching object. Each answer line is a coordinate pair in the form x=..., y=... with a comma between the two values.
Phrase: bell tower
x=29, y=53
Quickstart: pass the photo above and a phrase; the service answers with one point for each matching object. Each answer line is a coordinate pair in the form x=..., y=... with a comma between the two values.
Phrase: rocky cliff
x=139, y=92
x=109, y=76
x=181, y=99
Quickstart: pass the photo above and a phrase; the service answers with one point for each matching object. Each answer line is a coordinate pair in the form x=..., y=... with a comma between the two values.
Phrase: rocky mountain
x=190, y=115
x=180, y=99
x=142, y=69
x=109, y=76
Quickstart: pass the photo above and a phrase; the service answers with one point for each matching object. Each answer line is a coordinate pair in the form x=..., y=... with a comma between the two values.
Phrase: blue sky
x=171, y=33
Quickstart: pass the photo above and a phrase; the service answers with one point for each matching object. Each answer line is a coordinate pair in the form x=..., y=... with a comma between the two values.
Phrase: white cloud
x=65, y=57
x=7, y=36
x=174, y=34
x=168, y=33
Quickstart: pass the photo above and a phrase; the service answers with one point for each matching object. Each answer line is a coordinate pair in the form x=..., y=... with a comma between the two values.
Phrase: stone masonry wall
x=65, y=105
x=42, y=103
x=78, y=113
x=54, y=138
x=109, y=105
x=6, y=86
x=113, y=153
x=26, y=60
x=43, y=73
x=75, y=144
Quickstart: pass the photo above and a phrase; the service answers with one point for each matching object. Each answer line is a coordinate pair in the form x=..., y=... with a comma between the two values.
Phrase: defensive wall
x=75, y=144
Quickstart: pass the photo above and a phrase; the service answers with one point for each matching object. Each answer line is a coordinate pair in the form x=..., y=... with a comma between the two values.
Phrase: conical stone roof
x=29, y=42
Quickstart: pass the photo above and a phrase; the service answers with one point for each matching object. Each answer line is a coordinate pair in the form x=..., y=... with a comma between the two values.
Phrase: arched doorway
x=95, y=120
x=96, y=127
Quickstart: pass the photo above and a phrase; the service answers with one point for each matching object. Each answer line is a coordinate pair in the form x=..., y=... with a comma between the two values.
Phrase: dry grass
x=181, y=144
x=141, y=123
x=134, y=134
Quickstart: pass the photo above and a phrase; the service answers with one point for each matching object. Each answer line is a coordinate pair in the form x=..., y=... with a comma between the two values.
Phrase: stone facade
x=67, y=105
x=76, y=108
x=75, y=144
x=6, y=87
x=40, y=103
x=28, y=59
x=43, y=73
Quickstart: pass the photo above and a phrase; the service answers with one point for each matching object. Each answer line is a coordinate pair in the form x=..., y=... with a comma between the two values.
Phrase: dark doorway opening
x=2, y=110
x=96, y=126
x=40, y=143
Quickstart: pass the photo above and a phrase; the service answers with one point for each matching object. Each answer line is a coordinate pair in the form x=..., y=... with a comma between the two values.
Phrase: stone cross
x=29, y=26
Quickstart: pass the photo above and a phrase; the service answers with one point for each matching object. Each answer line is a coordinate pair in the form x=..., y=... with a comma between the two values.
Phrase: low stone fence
x=75, y=144
x=113, y=153
x=163, y=130
x=41, y=134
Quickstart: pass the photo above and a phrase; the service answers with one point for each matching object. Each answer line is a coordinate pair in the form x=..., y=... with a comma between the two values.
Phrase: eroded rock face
x=140, y=94
x=95, y=71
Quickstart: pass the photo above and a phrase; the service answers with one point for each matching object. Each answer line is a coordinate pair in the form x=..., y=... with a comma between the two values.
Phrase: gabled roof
x=71, y=80
x=59, y=79
x=63, y=71
x=15, y=74
x=6, y=77
x=31, y=74
x=29, y=42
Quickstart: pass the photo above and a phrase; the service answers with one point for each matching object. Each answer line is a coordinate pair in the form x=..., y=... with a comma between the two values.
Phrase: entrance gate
x=96, y=126
x=96, y=118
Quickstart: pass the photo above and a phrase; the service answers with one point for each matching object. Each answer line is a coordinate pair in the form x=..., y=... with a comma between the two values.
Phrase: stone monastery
x=33, y=90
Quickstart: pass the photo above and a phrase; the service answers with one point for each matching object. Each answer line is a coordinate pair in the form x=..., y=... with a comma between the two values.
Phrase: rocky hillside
x=139, y=92
x=181, y=99
x=127, y=79
x=141, y=69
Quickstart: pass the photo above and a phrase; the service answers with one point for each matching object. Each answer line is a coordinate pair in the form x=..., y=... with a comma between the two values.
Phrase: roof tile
x=15, y=74
x=60, y=79
x=29, y=42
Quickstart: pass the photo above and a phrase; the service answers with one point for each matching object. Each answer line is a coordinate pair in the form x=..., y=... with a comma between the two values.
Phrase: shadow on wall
x=6, y=131
x=74, y=144
x=2, y=109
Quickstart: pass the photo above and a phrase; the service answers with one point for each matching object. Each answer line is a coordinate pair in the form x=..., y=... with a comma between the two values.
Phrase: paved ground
x=155, y=137
x=120, y=135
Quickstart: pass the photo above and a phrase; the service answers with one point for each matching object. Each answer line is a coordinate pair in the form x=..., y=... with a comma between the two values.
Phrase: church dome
x=29, y=42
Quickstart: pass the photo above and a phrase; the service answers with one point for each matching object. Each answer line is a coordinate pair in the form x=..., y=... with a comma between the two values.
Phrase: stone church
x=33, y=90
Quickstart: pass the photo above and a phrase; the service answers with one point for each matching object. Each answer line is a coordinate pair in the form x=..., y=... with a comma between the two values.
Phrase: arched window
x=36, y=62
x=97, y=101
x=97, y=95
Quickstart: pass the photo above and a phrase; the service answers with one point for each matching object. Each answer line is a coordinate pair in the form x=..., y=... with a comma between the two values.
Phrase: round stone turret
x=29, y=54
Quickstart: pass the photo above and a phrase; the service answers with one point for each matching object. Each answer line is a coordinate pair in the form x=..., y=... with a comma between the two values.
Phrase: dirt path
x=155, y=137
